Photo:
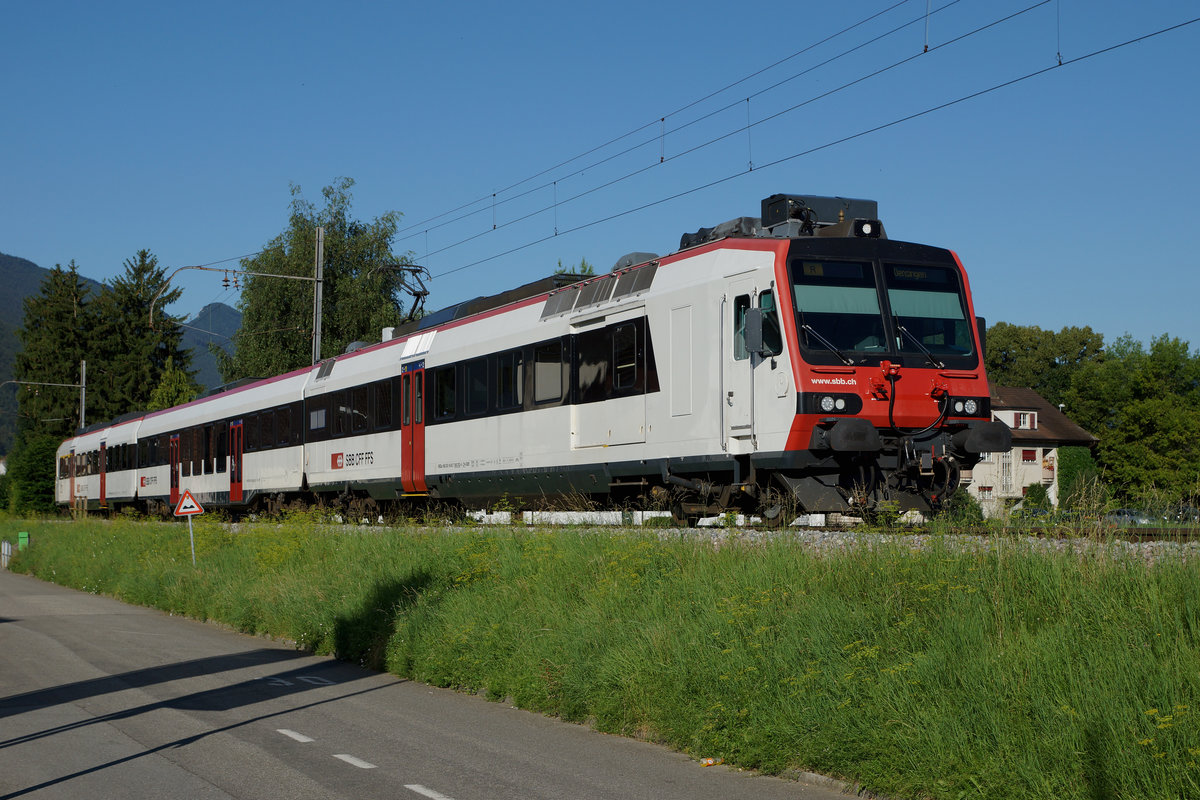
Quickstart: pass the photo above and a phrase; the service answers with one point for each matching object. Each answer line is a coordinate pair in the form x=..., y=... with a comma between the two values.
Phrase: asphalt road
x=99, y=699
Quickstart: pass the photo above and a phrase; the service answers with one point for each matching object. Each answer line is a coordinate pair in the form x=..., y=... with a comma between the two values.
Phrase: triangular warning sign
x=187, y=506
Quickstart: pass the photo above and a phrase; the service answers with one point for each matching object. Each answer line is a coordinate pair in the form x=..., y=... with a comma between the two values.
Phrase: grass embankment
x=934, y=673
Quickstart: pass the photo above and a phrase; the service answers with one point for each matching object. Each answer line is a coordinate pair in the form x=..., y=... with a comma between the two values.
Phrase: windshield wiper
x=917, y=342
x=811, y=332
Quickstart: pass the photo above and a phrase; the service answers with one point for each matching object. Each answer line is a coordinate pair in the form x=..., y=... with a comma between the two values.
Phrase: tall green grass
x=939, y=673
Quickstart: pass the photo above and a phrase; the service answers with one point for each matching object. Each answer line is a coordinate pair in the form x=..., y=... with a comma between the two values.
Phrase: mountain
x=216, y=323
x=21, y=278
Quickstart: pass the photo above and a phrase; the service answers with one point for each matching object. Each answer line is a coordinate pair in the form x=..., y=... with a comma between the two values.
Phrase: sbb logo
x=337, y=461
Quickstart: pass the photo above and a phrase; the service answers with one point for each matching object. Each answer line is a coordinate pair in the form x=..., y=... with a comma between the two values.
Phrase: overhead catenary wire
x=712, y=141
x=418, y=226
x=834, y=142
x=404, y=234
x=661, y=121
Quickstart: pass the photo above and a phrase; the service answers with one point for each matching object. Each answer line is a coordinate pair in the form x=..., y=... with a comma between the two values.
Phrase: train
x=796, y=362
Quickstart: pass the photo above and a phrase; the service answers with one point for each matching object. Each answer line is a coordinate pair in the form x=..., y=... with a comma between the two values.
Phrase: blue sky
x=1070, y=196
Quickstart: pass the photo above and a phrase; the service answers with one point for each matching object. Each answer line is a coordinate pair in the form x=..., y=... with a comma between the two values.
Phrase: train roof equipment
x=783, y=216
x=786, y=216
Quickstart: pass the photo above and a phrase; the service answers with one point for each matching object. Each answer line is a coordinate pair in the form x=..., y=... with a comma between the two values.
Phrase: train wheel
x=774, y=509
x=682, y=518
x=362, y=509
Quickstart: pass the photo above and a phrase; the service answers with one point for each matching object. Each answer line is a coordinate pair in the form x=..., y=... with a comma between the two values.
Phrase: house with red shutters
x=1039, y=429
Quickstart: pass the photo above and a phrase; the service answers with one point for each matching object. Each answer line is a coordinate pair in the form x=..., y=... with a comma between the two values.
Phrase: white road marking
x=430, y=793
x=357, y=762
x=299, y=737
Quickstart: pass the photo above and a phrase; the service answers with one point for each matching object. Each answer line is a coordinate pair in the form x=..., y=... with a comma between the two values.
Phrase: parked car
x=1124, y=517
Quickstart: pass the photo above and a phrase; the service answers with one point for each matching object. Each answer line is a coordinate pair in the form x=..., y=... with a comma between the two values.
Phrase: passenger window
x=266, y=430
x=508, y=379
x=443, y=393
x=359, y=418
x=741, y=304
x=316, y=415
x=207, y=454
x=625, y=367
x=593, y=365
x=477, y=386
x=383, y=405
x=771, y=333
x=222, y=445
x=547, y=372
x=337, y=410
x=283, y=425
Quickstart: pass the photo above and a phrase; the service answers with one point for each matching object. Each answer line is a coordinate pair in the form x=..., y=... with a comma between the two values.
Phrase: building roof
x=1053, y=427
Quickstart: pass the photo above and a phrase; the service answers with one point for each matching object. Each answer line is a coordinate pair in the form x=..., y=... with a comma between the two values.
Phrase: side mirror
x=754, y=330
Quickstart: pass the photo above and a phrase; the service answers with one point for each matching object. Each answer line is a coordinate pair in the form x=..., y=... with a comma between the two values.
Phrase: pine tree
x=176, y=387
x=129, y=357
x=359, y=288
x=54, y=337
x=57, y=326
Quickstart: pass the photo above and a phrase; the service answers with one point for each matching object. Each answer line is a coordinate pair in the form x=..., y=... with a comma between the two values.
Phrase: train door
x=412, y=427
x=71, y=476
x=235, y=461
x=173, y=450
x=103, y=475
x=737, y=401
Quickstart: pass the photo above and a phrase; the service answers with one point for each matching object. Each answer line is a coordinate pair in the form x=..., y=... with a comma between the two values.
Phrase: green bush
x=962, y=509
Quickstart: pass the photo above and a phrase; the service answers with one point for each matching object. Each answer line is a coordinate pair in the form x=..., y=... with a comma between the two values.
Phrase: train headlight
x=868, y=228
x=968, y=407
x=829, y=404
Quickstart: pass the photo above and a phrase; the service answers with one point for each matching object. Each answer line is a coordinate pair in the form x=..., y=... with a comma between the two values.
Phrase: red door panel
x=418, y=432
x=406, y=465
x=235, y=462
x=412, y=428
x=173, y=450
x=103, y=475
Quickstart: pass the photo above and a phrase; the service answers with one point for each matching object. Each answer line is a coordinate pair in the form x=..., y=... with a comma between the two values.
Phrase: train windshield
x=854, y=311
x=927, y=303
x=837, y=307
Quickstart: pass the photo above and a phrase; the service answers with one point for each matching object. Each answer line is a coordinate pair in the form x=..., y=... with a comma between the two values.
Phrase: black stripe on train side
x=607, y=363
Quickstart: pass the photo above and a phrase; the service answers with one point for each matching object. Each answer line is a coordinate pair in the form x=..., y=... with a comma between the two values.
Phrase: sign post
x=188, y=507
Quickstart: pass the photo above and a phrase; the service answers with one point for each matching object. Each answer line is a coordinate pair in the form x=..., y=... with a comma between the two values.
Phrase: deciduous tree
x=360, y=288
x=1144, y=405
x=176, y=387
x=1026, y=355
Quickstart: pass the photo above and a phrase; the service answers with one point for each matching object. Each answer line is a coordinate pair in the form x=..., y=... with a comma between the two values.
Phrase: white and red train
x=799, y=360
